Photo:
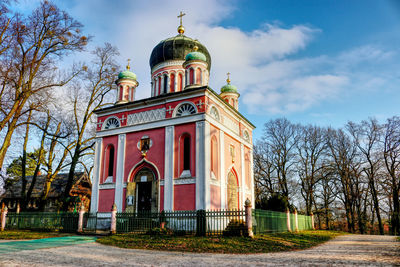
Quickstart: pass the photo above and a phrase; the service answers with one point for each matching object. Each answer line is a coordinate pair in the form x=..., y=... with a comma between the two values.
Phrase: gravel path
x=348, y=250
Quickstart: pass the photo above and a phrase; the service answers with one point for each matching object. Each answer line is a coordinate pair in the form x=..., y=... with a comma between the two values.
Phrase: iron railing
x=200, y=222
x=48, y=221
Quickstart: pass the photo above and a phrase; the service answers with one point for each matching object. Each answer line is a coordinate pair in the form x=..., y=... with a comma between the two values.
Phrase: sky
x=319, y=62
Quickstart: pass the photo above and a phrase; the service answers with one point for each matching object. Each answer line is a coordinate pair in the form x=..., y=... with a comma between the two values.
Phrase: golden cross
x=127, y=66
x=180, y=16
x=228, y=80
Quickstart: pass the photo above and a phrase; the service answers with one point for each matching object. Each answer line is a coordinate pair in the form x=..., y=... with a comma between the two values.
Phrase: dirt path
x=349, y=250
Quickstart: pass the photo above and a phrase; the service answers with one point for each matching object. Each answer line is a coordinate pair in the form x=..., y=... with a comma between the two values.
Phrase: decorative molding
x=152, y=125
x=231, y=124
x=213, y=111
x=167, y=63
x=146, y=116
x=187, y=180
x=111, y=123
x=215, y=182
x=107, y=186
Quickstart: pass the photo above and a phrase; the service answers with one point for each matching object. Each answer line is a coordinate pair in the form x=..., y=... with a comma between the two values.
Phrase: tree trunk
x=71, y=175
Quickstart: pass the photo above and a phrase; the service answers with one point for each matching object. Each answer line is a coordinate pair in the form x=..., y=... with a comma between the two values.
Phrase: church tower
x=184, y=148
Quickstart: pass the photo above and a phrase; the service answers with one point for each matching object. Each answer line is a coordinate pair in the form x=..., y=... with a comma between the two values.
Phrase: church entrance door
x=144, y=196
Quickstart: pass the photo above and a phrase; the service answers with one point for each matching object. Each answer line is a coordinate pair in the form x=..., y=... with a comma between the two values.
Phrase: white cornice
x=152, y=125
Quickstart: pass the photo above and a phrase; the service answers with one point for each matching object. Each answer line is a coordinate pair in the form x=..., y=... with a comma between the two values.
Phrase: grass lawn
x=260, y=244
x=26, y=234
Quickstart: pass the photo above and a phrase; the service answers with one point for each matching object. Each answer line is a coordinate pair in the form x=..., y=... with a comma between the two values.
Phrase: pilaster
x=169, y=169
x=119, y=181
x=222, y=168
x=96, y=174
x=200, y=160
x=242, y=180
x=207, y=165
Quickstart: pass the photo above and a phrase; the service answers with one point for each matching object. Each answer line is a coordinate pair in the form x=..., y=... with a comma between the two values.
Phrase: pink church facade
x=184, y=148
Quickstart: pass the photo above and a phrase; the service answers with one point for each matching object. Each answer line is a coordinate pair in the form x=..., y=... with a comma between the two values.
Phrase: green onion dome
x=127, y=74
x=195, y=56
x=229, y=88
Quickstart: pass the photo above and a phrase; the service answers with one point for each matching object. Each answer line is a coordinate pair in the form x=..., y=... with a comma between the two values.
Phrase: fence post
x=3, y=218
x=249, y=218
x=312, y=220
x=114, y=219
x=288, y=220
x=201, y=223
x=80, y=219
x=296, y=220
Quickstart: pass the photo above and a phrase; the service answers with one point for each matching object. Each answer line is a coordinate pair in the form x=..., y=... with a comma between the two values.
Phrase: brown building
x=80, y=192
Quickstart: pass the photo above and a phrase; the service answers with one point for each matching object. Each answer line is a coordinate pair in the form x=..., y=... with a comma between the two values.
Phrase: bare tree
x=92, y=95
x=311, y=149
x=391, y=154
x=29, y=49
x=281, y=136
x=367, y=137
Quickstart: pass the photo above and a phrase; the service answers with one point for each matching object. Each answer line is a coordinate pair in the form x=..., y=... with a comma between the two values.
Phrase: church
x=186, y=147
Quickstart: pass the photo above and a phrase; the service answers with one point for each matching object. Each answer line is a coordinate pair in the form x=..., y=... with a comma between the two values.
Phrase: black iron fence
x=200, y=222
x=43, y=221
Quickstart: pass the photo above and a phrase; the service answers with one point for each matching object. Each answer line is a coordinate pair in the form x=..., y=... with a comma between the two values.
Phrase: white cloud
x=260, y=61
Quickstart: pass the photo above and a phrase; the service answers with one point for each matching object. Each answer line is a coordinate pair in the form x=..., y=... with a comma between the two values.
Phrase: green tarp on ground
x=15, y=246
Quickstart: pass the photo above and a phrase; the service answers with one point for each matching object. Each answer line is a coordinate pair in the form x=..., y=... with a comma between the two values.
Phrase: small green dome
x=195, y=56
x=126, y=74
x=229, y=88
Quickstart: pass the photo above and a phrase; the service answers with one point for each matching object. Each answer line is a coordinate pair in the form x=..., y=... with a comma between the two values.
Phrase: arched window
x=214, y=157
x=184, y=109
x=214, y=113
x=179, y=82
x=185, y=155
x=198, y=76
x=172, y=83
x=191, y=76
x=109, y=164
x=165, y=87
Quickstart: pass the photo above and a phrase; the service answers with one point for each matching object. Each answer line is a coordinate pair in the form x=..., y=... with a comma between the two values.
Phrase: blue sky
x=321, y=62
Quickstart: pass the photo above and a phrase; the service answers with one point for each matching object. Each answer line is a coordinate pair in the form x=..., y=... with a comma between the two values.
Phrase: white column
x=207, y=165
x=253, y=200
x=194, y=76
x=243, y=182
x=119, y=181
x=152, y=87
x=176, y=82
x=200, y=175
x=169, y=169
x=222, y=166
x=96, y=175
x=168, y=84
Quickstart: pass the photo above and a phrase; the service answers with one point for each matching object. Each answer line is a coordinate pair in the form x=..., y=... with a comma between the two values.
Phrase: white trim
x=215, y=182
x=140, y=162
x=167, y=63
x=152, y=125
x=107, y=186
x=96, y=175
x=242, y=187
x=231, y=133
x=222, y=168
x=207, y=165
x=252, y=179
x=147, y=104
x=200, y=175
x=229, y=109
x=118, y=199
x=180, y=181
x=169, y=168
